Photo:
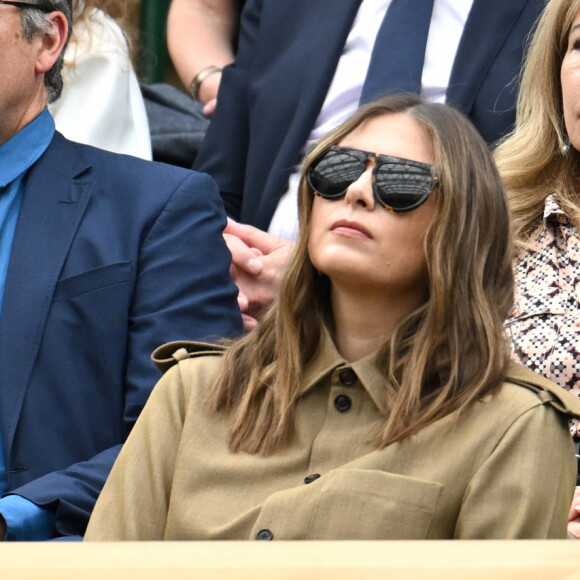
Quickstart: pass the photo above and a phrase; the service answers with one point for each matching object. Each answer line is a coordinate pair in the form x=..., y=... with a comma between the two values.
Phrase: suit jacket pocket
x=353, y=504
x=91, y=280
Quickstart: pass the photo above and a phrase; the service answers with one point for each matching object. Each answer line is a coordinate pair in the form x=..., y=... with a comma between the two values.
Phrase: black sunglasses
x=38, y=4
x=399, y=184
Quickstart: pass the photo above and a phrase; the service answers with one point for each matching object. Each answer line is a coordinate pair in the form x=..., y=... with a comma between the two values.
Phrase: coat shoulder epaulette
x=546, y=390
x=171, y=353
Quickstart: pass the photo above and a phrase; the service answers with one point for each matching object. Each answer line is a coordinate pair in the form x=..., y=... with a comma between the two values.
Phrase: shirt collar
x=554, y=215
x=22, y=150
x=327, y=359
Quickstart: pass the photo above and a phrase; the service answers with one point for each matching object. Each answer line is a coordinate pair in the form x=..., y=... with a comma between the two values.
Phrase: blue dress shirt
x=25, y=520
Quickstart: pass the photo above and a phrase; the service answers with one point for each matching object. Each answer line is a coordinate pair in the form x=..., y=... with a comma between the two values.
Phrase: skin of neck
x=364, y=321
x=12, y=123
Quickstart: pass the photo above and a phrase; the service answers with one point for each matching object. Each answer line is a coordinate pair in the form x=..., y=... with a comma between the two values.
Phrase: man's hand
x=258, y=262
x=3, y=528
x=574, y=516
x=209, y=108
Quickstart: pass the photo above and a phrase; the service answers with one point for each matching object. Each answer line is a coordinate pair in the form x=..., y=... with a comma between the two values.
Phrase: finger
x=209, y=108
x=242, y=255
x=243, y=302
x=573, y=527
x=249, y=322
x=574, y=512
x=253, y=237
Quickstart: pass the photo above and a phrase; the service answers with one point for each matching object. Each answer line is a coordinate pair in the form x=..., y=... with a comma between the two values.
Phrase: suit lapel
x=482, y=39
x=52, y=208
x=318, y=42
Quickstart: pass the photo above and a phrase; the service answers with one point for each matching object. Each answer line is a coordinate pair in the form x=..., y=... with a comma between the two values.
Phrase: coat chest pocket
x=354, y=504
x=92, y=280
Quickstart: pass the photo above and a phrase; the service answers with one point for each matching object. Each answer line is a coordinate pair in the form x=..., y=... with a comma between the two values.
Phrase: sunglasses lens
x=402, y=186
x=331, y=175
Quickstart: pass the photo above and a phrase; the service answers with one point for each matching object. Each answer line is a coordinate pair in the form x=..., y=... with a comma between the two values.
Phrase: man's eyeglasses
x=38, y=4
x=399, y=184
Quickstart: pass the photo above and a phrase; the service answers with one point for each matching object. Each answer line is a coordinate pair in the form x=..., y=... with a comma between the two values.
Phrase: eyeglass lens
x=400, y=184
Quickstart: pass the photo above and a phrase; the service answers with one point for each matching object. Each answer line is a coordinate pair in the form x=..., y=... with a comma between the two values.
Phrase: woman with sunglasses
x=376, y=399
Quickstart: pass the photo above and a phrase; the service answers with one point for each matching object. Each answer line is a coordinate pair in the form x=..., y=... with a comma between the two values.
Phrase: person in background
x=376, y=399
x=540, y=165
x=201, y=36
x=301, y=68
x=101, y=102
x=102, y=258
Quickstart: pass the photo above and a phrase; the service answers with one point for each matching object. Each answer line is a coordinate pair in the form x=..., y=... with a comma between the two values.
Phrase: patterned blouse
x=545, y=324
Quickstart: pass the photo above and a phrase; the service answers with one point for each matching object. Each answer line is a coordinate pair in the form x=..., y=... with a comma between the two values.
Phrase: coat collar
x=327, y=360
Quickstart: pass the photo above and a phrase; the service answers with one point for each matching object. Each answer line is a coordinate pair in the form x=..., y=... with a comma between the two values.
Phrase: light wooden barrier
x=433, y=560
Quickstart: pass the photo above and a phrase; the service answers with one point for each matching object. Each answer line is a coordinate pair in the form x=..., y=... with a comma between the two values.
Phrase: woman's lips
x=350, y=229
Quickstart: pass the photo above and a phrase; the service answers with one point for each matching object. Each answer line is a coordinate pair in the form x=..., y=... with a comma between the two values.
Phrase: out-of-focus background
x=152, y=59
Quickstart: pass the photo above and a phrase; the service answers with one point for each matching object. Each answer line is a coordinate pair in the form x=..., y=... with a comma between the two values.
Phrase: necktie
x=396, y=63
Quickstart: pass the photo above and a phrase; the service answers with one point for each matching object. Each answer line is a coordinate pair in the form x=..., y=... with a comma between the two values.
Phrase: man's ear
x=52, y=43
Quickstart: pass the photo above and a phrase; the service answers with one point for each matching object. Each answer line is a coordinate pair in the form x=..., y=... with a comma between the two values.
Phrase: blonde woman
x=540, y=164
x=375, y=400
x=101, y=102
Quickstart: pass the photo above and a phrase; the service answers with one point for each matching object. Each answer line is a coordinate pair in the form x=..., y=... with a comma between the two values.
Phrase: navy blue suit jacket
x=112, y=256
x=288, y=51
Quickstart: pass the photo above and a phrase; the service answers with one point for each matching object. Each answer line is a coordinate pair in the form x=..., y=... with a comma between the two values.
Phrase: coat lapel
x=52, y=207
x=318, y=42
x=482, y=39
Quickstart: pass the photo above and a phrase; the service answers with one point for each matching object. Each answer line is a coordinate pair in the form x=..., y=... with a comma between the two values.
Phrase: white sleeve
x=101, y=102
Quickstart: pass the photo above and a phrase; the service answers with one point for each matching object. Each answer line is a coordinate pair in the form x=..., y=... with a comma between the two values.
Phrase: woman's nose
x=360, y=192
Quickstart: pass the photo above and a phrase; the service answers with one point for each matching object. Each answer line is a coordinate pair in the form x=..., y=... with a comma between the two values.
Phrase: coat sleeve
x=223, y=153
x=183, y=291
x=134, y=502
x=501, y=504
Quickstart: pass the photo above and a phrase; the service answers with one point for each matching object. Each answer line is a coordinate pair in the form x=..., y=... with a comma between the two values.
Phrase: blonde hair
x=535, y=160
x=446, y=355
x=118, y=10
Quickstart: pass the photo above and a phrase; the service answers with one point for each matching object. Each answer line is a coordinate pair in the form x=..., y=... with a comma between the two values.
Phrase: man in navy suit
x=102, y=258
x=288, y=68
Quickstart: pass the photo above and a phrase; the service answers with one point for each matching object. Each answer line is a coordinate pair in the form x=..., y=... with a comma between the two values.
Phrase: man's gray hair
x=35, y=23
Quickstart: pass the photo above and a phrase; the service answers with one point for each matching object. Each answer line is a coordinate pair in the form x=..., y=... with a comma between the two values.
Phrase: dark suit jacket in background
x=288, y=52
x=112, y=256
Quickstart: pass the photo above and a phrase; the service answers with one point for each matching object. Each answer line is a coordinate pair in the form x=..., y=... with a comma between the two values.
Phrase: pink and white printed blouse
x=544, y=327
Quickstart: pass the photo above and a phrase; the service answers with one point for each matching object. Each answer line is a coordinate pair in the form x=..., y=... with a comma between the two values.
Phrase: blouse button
x=347, y=377
x=342, y=403
x=265, y=535
x=310, y=478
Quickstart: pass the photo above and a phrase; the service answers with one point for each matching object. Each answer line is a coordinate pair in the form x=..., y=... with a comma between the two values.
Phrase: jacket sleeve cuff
x=26, y=521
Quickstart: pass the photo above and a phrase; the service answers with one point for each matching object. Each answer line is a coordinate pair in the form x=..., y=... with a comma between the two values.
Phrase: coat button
x=265, y=535
x=342, y=403
x=347, y=377
x=310, y=478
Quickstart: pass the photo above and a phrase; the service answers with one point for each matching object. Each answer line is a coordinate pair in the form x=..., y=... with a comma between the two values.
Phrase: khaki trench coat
x=505, y=469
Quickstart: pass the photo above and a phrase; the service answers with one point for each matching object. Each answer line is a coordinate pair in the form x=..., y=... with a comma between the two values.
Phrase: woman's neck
x=364, y=323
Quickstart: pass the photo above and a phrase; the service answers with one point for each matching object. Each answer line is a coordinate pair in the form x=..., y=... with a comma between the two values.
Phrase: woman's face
x=357, y=242
x=570, y=80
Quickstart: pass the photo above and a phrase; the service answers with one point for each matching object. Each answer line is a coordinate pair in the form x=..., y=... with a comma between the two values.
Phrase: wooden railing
x=420, y=560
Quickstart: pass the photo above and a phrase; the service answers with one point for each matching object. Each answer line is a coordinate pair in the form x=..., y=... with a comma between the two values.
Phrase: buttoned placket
x=346, y=401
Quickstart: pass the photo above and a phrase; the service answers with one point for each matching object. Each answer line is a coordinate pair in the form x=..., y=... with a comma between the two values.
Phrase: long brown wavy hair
x=443, y=357
x=535, y=159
